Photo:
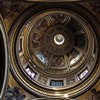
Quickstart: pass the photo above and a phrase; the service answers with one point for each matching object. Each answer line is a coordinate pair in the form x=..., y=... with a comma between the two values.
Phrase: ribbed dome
x=53, y=50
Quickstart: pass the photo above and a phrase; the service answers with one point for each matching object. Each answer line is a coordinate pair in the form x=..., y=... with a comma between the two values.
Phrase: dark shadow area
x=2, y=60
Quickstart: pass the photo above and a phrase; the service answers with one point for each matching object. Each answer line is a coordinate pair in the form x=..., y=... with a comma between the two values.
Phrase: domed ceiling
x=53, y=48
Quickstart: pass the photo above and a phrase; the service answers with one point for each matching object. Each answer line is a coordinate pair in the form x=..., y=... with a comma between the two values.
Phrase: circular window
x=53, y=50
